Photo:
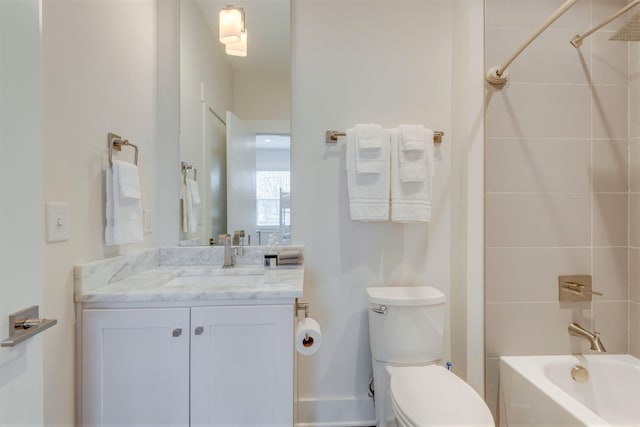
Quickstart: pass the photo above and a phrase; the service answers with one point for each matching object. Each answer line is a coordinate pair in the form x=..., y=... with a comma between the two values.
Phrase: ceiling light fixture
x=237, y=49
x=231, y=24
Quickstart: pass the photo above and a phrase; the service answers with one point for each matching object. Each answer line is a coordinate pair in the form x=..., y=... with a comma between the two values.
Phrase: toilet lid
x=431, y=395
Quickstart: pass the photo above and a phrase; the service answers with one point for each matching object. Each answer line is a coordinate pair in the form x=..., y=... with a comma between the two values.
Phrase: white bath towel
x=369, y=142
x=368, y=193
x=410, y=201
x=123, y=214
x=129, y=180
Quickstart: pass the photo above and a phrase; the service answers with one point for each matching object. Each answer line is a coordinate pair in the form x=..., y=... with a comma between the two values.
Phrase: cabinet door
x=135, y=367
x=242, y=366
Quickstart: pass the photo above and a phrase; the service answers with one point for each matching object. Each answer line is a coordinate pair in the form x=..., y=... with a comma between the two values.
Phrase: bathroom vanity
x=186, y=344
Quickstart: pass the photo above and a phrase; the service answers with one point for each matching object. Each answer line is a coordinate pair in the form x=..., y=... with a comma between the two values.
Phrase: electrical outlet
x=57, y=221
x=147, y=221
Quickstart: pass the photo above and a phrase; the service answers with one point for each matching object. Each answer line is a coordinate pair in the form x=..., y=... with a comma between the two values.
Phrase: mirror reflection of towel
x=190, y=202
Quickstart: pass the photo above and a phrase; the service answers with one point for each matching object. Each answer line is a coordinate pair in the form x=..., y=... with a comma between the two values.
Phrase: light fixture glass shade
x=230, y=25
x=237, y=49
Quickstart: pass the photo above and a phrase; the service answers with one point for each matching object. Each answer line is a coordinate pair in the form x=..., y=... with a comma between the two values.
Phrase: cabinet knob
x=199, y=330
x=177, y=332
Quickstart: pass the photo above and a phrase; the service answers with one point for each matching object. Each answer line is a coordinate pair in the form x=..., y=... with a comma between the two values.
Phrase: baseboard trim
x=348, y=412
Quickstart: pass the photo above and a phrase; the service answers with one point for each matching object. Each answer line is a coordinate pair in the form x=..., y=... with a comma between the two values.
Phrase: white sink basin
x=219, y=279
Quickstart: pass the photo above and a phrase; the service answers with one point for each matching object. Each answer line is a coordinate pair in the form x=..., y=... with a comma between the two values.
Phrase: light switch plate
x=57, y=217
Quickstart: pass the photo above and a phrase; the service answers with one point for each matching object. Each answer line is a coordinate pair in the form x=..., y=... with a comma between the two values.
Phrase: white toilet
x=406, y=327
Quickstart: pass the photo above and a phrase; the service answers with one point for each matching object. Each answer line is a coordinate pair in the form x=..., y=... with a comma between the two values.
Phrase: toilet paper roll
x=308, y=336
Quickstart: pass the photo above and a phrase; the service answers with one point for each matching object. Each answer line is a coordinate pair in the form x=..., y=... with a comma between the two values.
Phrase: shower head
x=630, y=32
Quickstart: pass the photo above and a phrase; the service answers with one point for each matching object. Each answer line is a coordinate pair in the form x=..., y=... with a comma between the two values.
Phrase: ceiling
x=268, y=25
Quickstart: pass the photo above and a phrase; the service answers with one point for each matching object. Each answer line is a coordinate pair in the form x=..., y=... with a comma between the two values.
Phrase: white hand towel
x=129, y=179
x=410, y=201
x=414, y=136
x=369, y=136
x=123, y=214
x=416, y=153
x=368, y=193
x=193, y=200
x=370, y=158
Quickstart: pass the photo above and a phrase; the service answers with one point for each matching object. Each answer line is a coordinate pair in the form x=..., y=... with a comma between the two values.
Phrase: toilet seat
x=430, y=395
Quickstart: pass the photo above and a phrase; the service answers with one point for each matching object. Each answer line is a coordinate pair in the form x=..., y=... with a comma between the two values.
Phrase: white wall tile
x=602, y=9
x=610, y=219
x=634, y=105
x=542, y=165
x=523, y=110
x=610, y=319
x=634, y=275
x=634, y=162
x=610, y=166
x=609, y=60
x=492, y=372
x=634, y=220
x=533, y=328
x=531, y=274
x=610, y=274
x=531, y=13
x=550, y=58
x=634, y=329
x=609, y=112
x=537, y=219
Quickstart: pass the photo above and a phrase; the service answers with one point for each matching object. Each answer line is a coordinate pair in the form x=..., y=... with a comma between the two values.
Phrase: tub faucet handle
x=576, y=288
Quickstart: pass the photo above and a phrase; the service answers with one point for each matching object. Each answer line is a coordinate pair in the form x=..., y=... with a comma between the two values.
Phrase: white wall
x=262, y=95
x=377, y=62
x=99, y=76
x=21, y=209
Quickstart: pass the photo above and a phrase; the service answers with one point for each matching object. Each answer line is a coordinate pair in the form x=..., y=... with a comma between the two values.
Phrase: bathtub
x=540, y=391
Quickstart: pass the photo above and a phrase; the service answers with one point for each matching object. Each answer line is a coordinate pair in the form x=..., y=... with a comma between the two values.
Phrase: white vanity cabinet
x=223, y=365
x=135, y=367
x=242, y=366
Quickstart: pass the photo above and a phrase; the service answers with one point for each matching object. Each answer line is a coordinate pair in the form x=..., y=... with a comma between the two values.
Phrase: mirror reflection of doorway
x=273, y=187
x=216, y=146
x=258, y=179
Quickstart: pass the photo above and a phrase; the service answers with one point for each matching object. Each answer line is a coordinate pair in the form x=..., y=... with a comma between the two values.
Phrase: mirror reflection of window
x=273, y=187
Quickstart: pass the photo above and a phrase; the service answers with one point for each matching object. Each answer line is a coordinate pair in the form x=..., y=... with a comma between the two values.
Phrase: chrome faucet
x=228, y=253
x=593, y=337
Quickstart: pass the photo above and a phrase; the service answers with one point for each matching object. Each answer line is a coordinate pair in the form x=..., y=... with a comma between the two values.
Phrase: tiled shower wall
x=634, y=199
x=557, y=182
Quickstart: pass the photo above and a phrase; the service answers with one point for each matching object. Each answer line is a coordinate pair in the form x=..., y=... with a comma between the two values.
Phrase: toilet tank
x=406, y=324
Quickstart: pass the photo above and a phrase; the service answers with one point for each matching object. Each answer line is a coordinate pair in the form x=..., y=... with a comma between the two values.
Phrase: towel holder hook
x=115, y=142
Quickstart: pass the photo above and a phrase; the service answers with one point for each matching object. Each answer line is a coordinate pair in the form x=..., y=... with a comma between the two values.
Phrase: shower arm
x=577, y=40
x=498, y=75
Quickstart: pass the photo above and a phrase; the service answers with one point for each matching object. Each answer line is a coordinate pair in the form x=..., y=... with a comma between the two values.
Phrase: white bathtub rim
x=529, y=368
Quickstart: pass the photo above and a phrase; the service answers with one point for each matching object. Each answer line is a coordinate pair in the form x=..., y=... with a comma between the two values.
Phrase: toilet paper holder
x=302, y=306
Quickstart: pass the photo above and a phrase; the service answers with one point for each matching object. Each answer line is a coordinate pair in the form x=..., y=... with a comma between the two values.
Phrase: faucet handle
x=575, y=288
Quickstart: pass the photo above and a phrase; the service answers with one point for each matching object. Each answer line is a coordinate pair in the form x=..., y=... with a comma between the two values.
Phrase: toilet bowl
x=433, y=396
x=406, y=327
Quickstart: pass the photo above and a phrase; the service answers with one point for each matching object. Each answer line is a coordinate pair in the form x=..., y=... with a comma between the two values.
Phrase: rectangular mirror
x=235, y=124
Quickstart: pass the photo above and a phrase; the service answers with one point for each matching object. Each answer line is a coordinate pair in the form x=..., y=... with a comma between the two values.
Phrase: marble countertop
x=195, y=283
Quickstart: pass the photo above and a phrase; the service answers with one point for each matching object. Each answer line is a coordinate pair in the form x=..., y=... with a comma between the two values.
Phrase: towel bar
x=116, y=143
x=24, y=324
x=188, y=167
x=331, y=136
